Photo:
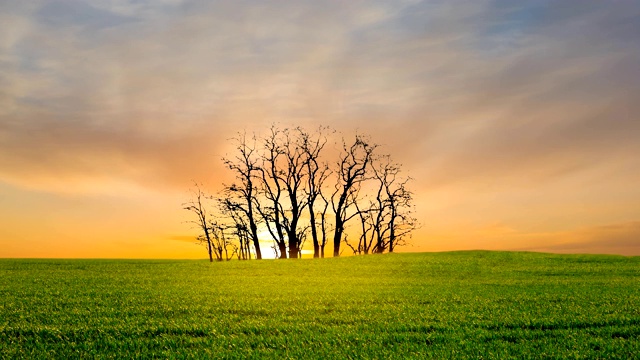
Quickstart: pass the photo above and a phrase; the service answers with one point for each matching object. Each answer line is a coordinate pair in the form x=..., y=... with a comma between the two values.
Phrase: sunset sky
x=518, y=120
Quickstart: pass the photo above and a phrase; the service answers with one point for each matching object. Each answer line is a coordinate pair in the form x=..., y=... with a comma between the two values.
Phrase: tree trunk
x=293, y=252
x=392, y=230
x=337, y=237
x=210, y=254
x=314, y=232
x=256, y=242
x=282, y=247
x=293, y=244
x=209, y=245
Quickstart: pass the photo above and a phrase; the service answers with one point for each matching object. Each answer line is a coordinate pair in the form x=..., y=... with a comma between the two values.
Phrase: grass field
x=438, y=305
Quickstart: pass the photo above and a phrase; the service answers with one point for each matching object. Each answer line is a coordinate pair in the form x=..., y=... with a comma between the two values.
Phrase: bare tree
x=238, y=227
x=271, y=188
x=283, y=179
x=197, y=206
x=284, y=174
x=292, y=176
x=367, y=234
x=241, y=197
x=223, y=247
x=353, y=169
x=393, y=219
x=317, y=173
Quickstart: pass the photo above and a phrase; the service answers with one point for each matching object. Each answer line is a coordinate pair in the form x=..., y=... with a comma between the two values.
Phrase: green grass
x=440, y=305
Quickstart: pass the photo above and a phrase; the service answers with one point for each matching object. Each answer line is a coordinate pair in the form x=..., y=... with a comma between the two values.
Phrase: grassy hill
x=439, y=305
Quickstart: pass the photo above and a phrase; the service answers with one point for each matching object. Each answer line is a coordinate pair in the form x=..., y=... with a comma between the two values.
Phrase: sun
x=268, y=246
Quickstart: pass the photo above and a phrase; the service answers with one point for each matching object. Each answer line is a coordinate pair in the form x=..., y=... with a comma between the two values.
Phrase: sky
x=517, y=120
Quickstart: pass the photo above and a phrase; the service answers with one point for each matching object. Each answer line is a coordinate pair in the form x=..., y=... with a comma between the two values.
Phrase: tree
x=291, y=180
x=240, y=198
x=292, y=175
x=221, y=242
x=317, y=173
x=387, y=218
x=352, y=169
x=366, y=238
x=196, y=205
x=285, y=187
x=238, y=227
x=271, y=189
x=394, y=218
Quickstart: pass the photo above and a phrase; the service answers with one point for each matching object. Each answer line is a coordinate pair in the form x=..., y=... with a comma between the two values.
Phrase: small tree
x=197, y=206
x=392, y=218
x=386, y=216
x=271, y=189
x=317, y=174
x=352, y=169
x=223, y=247
x=238, y=227
x=241, y=196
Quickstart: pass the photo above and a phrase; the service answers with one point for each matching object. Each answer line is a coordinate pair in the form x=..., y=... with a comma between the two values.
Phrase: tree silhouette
x=240, y=198
x=352, y=169
x=286, y=186
x=387, y=218
x=197, y=206
x=317, y=173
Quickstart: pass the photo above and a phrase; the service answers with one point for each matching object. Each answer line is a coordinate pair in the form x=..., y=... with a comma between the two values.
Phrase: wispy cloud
x=485, y=88
x=619, y=238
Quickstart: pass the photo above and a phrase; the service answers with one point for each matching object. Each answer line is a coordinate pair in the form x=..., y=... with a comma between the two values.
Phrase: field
x=430, y=305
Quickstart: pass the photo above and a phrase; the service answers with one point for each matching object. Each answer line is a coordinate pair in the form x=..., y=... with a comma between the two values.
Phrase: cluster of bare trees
x=287, y=190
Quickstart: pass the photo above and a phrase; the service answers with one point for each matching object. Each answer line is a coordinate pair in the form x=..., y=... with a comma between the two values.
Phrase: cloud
x=622, y=238
x=66, y=156
x=185, y=238
x=552, y=96
x=147, y=92
x=618, y=238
